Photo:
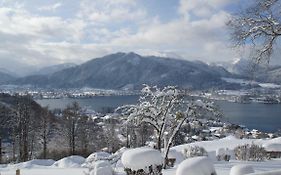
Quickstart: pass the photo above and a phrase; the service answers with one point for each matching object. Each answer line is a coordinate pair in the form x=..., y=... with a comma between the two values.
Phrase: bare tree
x=257, y=26
x=166, y=110
x=72, y=115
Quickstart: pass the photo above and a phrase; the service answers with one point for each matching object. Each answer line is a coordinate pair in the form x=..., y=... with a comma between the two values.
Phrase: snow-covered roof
x=273, y=147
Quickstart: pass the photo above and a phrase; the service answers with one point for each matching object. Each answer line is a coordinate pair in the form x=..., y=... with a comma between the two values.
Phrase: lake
x=264, y=117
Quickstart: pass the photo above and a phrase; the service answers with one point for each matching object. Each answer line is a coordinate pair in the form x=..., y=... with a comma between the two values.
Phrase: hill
x=131, y=71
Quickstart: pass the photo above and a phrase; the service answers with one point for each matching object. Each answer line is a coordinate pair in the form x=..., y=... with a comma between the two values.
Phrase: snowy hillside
x=131, y=71
x=73, y=165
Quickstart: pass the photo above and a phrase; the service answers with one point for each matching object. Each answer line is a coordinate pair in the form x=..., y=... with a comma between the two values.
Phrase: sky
x=41, y=33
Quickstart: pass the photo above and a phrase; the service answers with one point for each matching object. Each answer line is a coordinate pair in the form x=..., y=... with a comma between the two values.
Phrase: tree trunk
x=159, y=142
x=0, y=150
x=166, y=155
x=73, y=139
x=44, y=139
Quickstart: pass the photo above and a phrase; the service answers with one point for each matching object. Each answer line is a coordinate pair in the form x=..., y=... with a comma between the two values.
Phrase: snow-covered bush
x=250, y=153
x=70, y=162
x=92, y=158
x=241, y=170
x=196, y=166
x=223, y=154
x=142, y=161
x=194, y=151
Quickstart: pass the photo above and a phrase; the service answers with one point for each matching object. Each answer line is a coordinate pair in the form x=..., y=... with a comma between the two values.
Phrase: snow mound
x=141, y=158
x=196, y=166
x=92, y=158
x=274, y=147
x=101, y=164
x=33, y=163
x=70, y=162
x=98, y=156
x=241, y=170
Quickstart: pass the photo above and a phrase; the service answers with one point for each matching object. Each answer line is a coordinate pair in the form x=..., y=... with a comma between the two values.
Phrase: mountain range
x=131, y=71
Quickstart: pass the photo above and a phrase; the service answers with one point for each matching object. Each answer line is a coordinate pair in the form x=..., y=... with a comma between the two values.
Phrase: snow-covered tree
x=257, y=26
x=194, y=151
x=166, y=110
x=250, y=153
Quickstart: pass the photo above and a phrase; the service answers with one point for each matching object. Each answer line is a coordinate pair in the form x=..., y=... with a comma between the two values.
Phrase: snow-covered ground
x=66, y=165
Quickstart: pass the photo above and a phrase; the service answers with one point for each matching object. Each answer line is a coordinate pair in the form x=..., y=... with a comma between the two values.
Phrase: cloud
x=52, y=7
x=110, y=11
x=99, y=27
x=202, y=8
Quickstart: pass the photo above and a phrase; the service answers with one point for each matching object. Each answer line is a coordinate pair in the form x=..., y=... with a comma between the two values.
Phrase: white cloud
x=21, y=22
x=202, y=8
x=101, y=27
x=110, y=11
x=52, y=7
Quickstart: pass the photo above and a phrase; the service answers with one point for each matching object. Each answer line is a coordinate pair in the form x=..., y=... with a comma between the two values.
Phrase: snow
x=229, y=142
x=274, y=147
x=141, y=158
x=278, y=172
x=220, y=152
x=176, y=155
x=44, y=167
x=70, y=162
x=102, y=171
x=102, y=167
x=196, y=166
x=241, y=170
x=97, y=156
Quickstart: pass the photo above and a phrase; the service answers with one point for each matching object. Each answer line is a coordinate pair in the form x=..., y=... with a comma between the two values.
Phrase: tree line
x=29, y=131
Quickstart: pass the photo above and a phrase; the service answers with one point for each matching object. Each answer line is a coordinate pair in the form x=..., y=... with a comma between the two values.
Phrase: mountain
x=52, y=69
x=5, y=77
x=131, y=71
x=247, y=69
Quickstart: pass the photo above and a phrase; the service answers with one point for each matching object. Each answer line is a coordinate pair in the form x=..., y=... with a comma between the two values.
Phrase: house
x=273, y=150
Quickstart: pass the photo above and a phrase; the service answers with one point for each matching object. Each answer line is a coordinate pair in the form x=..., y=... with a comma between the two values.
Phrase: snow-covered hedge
x=196, y=166
x=241, y=170
x=142, y=161
x=194, y=151
x=250, y=153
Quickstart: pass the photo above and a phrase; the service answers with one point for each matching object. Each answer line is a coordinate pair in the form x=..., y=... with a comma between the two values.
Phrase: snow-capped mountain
x=131, y=71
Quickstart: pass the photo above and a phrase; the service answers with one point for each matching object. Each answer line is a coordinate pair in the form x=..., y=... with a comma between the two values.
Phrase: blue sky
x=37, y=32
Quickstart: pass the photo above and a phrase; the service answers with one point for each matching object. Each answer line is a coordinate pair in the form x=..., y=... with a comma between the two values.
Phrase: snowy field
x=72, y=165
